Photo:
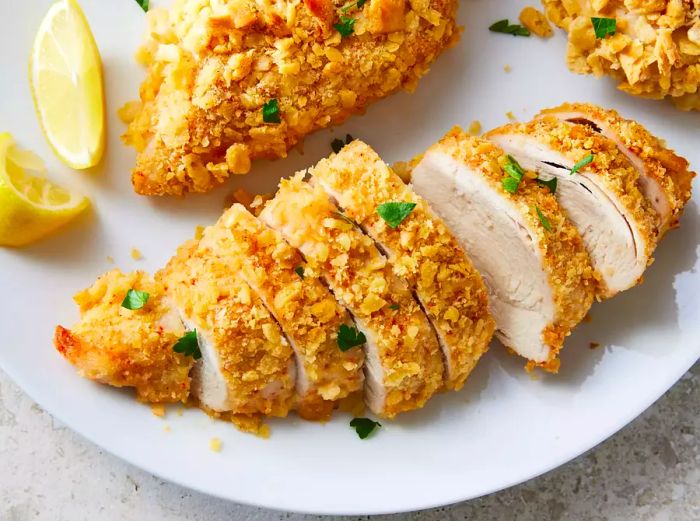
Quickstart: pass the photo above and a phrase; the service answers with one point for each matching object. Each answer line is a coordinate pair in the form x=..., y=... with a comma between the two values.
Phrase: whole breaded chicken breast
x=230, y=81
x=654, y=51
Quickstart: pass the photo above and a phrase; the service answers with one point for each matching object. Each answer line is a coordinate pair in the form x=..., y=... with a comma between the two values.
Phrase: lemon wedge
x=31, y=207
x=65, y=73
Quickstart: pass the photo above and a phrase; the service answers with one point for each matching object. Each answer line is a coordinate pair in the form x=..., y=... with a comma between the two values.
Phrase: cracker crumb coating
x=124, y=348
x=421, y=251
x=255, y=358
x=213, y=64
x=654, y=53
x=308, y=313
x=610, y=168
x=661, y=163
x=363, y=281
x=564, y=258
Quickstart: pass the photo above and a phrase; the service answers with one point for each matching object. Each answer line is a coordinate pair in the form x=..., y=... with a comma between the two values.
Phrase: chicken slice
x=664, y=178
x=308, y=313
x=128, y=348
x=247, y=366
x=539, y=276
x=602, y=199
x=231, y=81
x=403, y=364
x=421, y=251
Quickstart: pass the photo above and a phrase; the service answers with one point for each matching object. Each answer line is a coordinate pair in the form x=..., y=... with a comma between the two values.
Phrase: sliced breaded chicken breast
x=307, y=312
x=246, y=364
x=601, y=197
x=421, y=251
x=539, y=276
x=664, y=177
x=128, y=348
x=403, y=365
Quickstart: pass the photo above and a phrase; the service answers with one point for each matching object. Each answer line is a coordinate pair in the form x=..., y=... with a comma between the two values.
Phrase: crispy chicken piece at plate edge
x=421, y=251
x=128, y=348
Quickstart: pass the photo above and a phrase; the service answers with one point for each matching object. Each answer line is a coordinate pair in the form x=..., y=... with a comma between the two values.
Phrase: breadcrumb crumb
x=511, y=116
x=475, y=127
x=215, y=444
x=136, y=254
x=158, y=409
x=507, y=68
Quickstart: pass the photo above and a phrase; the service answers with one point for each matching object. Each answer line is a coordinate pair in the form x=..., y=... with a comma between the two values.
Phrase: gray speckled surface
x=648, y=471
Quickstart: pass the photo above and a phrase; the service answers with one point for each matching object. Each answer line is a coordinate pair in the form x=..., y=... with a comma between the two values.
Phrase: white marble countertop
x=649, y=471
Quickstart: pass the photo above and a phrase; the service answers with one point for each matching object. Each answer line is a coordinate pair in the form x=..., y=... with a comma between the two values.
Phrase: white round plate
x=506, y=426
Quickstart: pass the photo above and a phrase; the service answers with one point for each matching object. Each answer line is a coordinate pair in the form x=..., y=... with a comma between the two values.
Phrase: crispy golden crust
x=254, y=357
x=125, y=348
x=655, y=52
x=303, y=306
x=422, y=251
x=669, y=170
x=564, y=259
x=213, y=64
x=610, y=168
x=364, y=282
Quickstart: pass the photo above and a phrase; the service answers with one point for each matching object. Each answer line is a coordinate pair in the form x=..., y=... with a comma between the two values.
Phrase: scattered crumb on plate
x=593, y=345
x=474, y=127
x=507, y=68
x=136, y=254
x=588, y=318
x=110, y=259
x=167, y=428
x=215, y=444
x=511, y=116
x=158, y=409
x=536, y=22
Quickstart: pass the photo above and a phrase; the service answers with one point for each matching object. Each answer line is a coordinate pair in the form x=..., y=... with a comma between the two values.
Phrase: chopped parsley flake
x=549, y=183
x=135, y=299
x=604, y=27
x=503, y=26
x=345, y=27
x=349, y=337
x=394, y=307
x=337, y=144
x=585, y=161
x=143, y=4
x=299, y=270
x=395, y=212
x=543, y=219
x=357, y=4
x=188, y=345
x=364, y=426
x=271, y=111
x=515, y=174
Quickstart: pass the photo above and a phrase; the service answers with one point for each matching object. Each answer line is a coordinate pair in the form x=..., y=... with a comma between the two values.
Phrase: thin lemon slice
x=31, y=207
x=65, y=73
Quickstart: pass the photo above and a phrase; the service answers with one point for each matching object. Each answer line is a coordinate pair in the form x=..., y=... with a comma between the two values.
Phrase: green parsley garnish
x=271, y=111
x=345, y=27
x=364, y=426
x=503, y=26
x=299, y=270
x=515, y=175
x=549, y=183
x=349, y=337
x=135, y=299
x=543, y=219
x=394, y=307
x=585, y=161
x=143, y=4
x=604, y=27
x=394, y=213
x=337, y=144
x=188, y=345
